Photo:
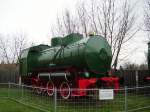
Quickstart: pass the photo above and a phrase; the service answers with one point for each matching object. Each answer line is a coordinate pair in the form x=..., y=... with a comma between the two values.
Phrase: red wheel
x=65, y=90
x=34, y=87
x=39, y=88
x=50, y=88
x=34, y=84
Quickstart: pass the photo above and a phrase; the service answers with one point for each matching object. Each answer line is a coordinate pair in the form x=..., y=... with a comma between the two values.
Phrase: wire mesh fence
x=138, y=98
x=91, y=102
x=87, y=100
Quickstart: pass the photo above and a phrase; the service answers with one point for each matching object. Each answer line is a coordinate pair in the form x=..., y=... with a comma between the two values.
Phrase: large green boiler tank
x=92, y=54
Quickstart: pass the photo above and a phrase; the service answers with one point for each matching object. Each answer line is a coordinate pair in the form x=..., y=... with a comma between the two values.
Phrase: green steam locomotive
x=70, y=62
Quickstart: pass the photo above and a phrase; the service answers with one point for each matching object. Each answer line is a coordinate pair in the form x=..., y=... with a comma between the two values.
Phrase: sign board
x=106, y=94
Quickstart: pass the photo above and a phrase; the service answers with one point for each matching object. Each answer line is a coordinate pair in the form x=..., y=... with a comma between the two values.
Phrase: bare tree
x=10, y=50
x=4, y=49
x=115, y=23
x=65, y=24
x=147, y=17
x=114, y=20
x=19, y=43
x=83, y=19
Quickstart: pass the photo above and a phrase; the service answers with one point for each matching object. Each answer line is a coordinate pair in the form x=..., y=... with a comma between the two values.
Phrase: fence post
x=8, y=89
x=55, y=100
x=137, y=78
x=126, y=102
x=22, y=91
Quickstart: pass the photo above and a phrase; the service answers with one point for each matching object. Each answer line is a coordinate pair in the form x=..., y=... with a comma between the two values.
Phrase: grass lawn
x=71, y=105
x=7, y=105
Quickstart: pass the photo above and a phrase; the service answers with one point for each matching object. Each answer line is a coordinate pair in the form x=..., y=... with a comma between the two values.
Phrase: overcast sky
x=35, y=18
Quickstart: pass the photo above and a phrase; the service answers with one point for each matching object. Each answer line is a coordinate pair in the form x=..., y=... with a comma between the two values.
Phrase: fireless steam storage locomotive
x=70, y=62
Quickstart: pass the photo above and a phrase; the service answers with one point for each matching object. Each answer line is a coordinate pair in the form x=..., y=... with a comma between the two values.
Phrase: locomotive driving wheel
x=65, y=90
x=34, y=85
x=50, y=88
x=39, y=88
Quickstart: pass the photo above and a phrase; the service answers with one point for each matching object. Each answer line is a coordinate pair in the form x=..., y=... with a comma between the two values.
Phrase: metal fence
x=97, y=100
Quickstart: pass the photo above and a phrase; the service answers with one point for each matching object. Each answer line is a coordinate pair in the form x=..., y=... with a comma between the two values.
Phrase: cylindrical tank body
x=92, y=54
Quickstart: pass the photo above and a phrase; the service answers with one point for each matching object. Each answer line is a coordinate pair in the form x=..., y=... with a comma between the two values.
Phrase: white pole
x=19, y=80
